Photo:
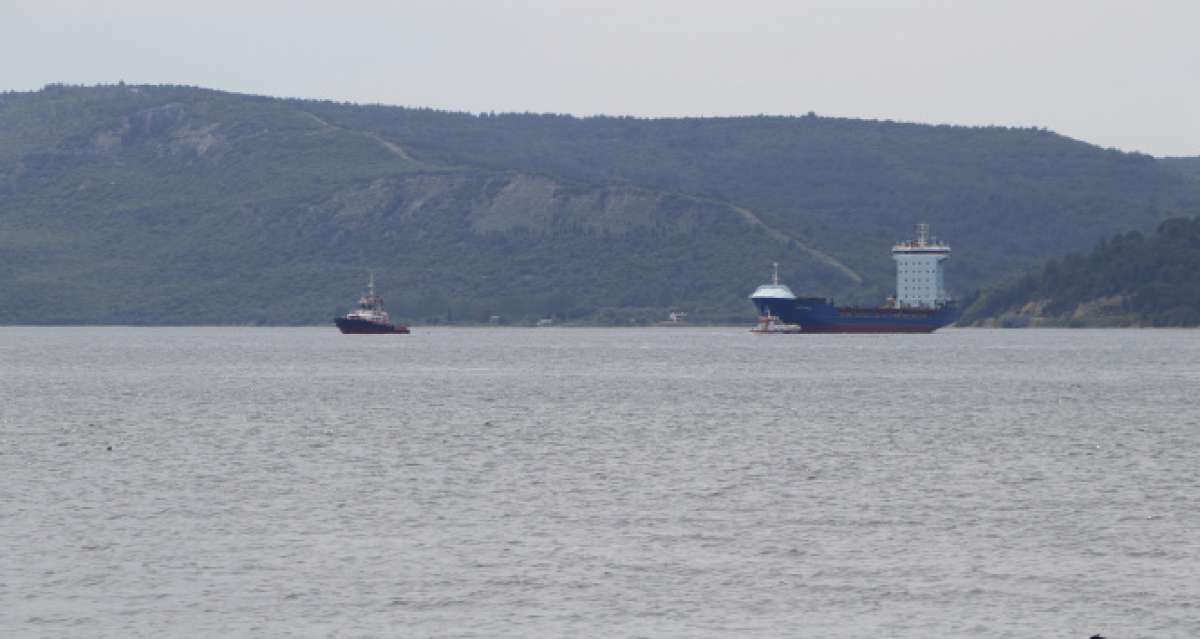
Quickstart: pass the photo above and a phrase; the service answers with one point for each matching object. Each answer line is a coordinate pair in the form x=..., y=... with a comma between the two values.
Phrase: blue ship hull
x=817, y=315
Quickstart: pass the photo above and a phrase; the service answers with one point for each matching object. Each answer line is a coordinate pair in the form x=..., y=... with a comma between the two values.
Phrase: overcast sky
x=1119, y=74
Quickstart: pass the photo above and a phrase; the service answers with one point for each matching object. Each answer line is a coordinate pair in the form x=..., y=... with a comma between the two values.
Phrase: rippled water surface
x=593, y=482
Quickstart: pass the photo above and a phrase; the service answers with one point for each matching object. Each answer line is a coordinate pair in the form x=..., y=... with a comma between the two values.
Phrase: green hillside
x=168, y=205
x=1006, y=199
x=1187, y=166
x=1129, y=280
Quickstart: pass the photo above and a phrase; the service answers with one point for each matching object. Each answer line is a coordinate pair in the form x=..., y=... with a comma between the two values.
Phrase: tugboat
x=369, y=317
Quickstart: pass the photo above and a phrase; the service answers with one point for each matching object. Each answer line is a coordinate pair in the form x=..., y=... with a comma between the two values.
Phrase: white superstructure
x=920, y=282
x=774, y=290
x=370, y=306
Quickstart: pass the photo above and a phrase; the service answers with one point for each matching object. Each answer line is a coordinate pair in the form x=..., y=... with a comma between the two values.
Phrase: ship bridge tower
x=919, y=279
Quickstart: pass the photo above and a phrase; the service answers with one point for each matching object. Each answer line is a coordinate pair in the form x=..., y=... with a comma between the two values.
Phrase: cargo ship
x=920, y=304
x=369, y=318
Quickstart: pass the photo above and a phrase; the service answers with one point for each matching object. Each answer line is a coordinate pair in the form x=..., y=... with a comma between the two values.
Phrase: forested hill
x=1005, y=198
x=1129, y=280
x=163, y=204
x=1189, y=166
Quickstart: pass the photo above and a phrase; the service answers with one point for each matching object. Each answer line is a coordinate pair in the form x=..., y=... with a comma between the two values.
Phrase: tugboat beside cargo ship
x=919, y=306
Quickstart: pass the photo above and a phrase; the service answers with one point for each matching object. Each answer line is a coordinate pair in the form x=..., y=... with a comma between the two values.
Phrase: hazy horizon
x=1106, y=73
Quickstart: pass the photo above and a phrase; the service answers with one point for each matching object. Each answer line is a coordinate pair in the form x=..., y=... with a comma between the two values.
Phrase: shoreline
x=746, y=326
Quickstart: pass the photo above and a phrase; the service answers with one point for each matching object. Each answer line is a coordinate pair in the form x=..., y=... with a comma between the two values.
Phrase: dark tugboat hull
x=351, y=326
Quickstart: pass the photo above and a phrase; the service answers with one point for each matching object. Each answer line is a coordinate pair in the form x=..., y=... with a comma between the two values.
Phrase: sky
x=1116, y=74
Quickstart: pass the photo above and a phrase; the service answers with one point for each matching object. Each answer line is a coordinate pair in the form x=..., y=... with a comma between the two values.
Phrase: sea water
x=508, y=482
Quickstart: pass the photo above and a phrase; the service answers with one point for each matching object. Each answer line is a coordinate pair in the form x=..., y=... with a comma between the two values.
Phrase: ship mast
x=775, y=277
x=371, y=300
